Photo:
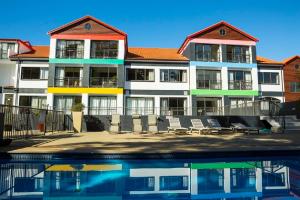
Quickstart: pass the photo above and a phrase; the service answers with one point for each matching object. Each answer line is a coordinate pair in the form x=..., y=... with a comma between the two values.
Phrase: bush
x=78, y=107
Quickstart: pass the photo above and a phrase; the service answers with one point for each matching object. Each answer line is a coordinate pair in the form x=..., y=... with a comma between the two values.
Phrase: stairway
x=291, y=122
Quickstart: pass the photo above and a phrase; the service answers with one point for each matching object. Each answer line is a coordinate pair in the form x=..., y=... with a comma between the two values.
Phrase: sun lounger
x=176, y=126
x=198, y=126
x=115, y=123
x=152, y=124
x=214, y=123
x=244, y=128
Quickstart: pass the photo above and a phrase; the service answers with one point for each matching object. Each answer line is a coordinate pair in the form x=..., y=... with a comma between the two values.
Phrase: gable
x=231, y=34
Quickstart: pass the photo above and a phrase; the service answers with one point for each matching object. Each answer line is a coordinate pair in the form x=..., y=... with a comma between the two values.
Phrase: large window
x=209, y=79
x=173, y=75
x=140, y=74
x=70, y=49
x=209, y=106
x=103, y=76
x=65, y=103
x=102, y=105
x=295, y=86
x=211, y=181
x=6, y=49
x=34, y=73
x=173, y=106
x=173, y=182
x=243, y=180
x=239, y=106
x=33, y=101
x=207, y=52
x=104, y=49
x=139, y=106
x=68, y=76
x=238, y=54
x=271, y=78
x=140, y=184
x=240, y=80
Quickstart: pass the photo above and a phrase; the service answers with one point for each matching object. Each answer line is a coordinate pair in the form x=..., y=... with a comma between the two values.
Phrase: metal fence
x=22, y=122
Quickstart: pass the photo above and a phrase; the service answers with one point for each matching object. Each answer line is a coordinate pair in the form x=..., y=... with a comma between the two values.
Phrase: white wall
x=33, y=83
x=8, y=73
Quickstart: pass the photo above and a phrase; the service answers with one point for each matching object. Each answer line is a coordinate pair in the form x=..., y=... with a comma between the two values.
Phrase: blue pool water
x=50, y=178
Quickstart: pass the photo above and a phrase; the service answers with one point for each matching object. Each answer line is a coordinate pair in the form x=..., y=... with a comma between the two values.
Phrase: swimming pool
x=49, y=177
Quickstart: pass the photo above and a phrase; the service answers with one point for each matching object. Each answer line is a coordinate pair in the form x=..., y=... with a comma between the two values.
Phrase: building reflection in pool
x=151, y=180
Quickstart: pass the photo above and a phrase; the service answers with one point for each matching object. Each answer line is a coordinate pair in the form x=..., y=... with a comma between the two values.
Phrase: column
x=254, y=75
x=50, y=100
x=121, y=50
x=120, y=103
x=227, y=179
x=87, y=49
x=224, y=78
x=52, y=53
x=194, y=182
x=85, y=102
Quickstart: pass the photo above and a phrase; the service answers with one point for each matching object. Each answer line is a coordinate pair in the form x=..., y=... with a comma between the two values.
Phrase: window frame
x=107, y=46
x=261, y=78
x=296, y=86
x=40, y=69
x=136, y=74
x=168, y=75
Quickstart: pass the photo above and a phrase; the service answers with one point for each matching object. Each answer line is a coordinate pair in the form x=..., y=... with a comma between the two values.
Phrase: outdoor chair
x=115, y=123
x=214, y=124
x=176, y=126
x=152, y=124
x=245, y=129
x=197, y=125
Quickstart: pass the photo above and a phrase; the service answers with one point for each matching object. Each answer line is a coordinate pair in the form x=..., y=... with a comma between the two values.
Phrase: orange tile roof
x=287, y=60
x=38, y=52
x=139, y=53
x=262, y=60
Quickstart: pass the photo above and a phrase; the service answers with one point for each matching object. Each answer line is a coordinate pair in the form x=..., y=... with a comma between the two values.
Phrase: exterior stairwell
x=289, y=122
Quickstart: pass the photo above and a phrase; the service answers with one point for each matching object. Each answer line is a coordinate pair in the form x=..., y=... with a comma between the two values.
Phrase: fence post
x=45, y=121
x=27, y=122
x=2, y=126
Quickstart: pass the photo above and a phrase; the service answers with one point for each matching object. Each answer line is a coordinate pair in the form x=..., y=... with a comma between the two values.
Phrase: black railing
x=23, y=122
x=240, y=85
x=69, y=52
x=68, y=82
x=105, y=53
x=103, y=82
x=237, y=58
x=209, y=84
x=208, y=56
x=102, y=111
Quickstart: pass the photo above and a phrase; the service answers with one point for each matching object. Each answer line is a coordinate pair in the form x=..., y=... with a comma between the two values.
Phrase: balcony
x=208, y=56
x=105, y=53
x=240, y=85
x=69, y=52
x=68, y=82
x=209, y=84
x=237, y=58
x=104, y=82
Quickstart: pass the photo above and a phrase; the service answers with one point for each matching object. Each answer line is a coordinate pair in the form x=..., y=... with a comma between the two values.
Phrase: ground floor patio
x=106, y=143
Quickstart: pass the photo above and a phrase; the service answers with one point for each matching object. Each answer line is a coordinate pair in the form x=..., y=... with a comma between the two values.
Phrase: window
x=239, y=106
x=268, y=78
x=173, y=106
x=34, y=73
x=295, y=86
x=103, y=76
x=104, y=49
x=140, y=184
x=65, y=103
x=207, y=52
x=102, y=105
x=240, y=80
x=173, y=182
x=6, y=49
x=140, y=74
x=238, y=54
x=33, y=101
x=243, y=180
x=68, y=76
x=70, y=49
x=222, y=32
x=212, y=181
x=209, y=106
x=140, y=106
x=209, y=79
x=173, y=75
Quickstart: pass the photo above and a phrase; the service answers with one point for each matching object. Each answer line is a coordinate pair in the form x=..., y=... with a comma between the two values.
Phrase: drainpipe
x=17, y=81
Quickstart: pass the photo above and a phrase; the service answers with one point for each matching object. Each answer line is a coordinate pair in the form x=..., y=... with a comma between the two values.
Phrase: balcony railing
x=105, y=53
x=103, y=82
x=209, y=84
x=208, y=56
x=237, y=58
x=173, y=111
x=202, y=111
x=103, y=111
x=240, y=85
x=68, y=82
x=69, y=52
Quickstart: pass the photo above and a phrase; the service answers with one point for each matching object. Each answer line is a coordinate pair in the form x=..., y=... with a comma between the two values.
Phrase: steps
x=291, y=122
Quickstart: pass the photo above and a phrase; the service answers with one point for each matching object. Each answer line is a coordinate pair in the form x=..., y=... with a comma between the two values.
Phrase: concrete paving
x=105, y=143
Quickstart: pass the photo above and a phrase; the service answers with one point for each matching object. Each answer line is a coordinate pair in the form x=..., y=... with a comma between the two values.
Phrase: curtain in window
x=149, y=106
x=68, y=104
x=44, y=73
x=164, y=106
x=184, y=76
x=60, y=75
x=35, y=102
x=140, y=106
x=164, y=75
x=151, y=75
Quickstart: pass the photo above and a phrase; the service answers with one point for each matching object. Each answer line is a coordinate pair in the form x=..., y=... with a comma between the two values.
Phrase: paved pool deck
x=129, y=143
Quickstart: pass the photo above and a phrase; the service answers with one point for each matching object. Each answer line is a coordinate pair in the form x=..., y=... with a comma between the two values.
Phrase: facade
x=89, y=62
x=292, y=79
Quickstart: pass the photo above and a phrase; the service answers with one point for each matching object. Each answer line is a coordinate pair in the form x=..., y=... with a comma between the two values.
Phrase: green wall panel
x=225, y=92
x=86, y=61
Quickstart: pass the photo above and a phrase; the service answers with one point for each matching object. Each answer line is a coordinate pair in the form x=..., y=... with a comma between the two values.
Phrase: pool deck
x=105, y=143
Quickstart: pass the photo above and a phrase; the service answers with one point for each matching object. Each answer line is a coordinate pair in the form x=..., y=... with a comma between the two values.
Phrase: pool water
x=110, y=179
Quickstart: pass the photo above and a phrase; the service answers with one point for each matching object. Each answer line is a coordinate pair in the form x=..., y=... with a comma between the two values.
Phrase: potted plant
x=77, y=114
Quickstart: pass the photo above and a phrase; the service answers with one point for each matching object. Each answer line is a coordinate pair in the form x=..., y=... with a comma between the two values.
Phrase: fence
x=22, y=122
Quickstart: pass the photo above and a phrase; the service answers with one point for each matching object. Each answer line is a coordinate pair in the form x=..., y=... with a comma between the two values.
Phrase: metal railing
x=103, y=82
x=237, y=58
x=240, y=85
x=23, y=122
x=207, y=56
x=209, y=84
x=68, y=82
x=105, y=53
x=68, y=52
x=103, y=111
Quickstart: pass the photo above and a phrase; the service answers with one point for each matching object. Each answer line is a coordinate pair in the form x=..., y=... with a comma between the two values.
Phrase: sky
x=161, y=23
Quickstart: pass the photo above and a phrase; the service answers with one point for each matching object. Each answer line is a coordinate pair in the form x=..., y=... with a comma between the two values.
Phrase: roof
x=262, y=60
x=164, y=54
x=189, y=37
x=290, y=59
x=82, y=19
x=37, y=52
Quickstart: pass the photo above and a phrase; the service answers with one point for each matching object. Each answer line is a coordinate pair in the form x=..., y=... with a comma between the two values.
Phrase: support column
x=120, y=104
x=194, y=182
x=85, y=102
x=224, y=78
x=50, y=100
x=87, y=49
x=227, y=179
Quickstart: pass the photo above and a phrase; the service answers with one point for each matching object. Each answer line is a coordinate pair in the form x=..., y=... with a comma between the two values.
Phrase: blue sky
x=161, y=23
